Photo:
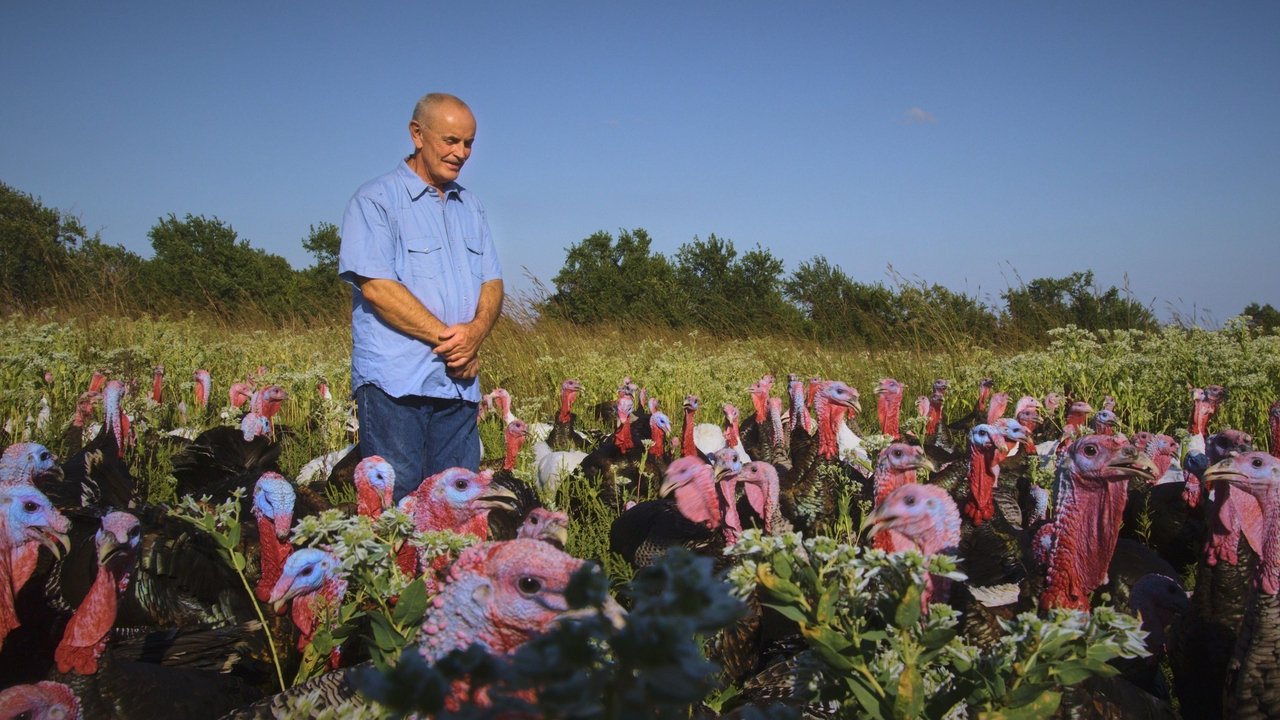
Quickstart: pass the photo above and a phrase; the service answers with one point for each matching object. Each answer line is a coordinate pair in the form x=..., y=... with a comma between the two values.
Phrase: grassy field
x=46, y=363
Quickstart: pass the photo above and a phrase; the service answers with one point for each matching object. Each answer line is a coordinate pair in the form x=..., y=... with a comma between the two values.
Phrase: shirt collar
x=416, y=186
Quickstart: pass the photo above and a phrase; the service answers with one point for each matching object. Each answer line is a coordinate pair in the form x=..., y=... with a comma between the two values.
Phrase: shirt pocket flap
x=425, y=256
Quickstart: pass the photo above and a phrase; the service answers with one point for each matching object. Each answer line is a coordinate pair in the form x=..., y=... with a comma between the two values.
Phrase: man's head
x=442, y=130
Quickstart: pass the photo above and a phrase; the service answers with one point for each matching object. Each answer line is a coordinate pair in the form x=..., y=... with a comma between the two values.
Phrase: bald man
x=428, y=289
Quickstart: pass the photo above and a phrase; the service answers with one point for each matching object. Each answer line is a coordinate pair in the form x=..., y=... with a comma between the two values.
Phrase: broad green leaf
x=909, y=702
x=412, y=604
x=384, y=636
x=908, y=612
x=1042, y=707
x=790, y=612
x=1028, y=693
x=869, y=701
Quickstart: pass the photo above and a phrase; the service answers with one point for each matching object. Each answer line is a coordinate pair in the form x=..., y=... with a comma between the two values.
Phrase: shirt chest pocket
x=425, y=257
x=475, y=256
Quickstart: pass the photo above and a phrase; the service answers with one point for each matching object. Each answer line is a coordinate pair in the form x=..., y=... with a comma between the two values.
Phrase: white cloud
x=918, y=116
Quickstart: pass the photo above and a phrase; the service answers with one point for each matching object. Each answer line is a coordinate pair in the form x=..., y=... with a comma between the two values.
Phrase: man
x=428, y=290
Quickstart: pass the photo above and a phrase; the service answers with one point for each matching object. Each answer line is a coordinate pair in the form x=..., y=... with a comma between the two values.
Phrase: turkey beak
x=1135, y=463
x=610, y=609
x=924, y=462
x=873, y=522
x=110, y=546
x=669, y=486
x=58, y=542
x=497, y=497
x=559, y=533
x=1221, y=472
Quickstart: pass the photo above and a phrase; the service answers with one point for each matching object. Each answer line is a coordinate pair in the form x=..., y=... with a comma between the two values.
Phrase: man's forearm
x=400, y=309
x=489, y=306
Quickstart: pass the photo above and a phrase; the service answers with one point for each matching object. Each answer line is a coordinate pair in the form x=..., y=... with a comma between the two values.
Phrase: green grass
x=1150, y=374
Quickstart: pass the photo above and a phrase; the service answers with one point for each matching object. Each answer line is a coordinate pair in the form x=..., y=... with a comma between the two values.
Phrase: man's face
x=444, y=141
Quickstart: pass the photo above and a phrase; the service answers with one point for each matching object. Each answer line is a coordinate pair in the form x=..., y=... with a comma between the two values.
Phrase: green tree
x=1047, y=303
x=35, y=245
x=108, y=277
x=1264, y=317
x=604, y=280
x=323, y=243
x=727, y=293
x=324, y=293
x=838, y=308
x=200, y=263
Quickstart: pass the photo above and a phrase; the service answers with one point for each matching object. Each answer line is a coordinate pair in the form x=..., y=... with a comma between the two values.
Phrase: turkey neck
x=1085, y=533
x=1235, y=513
x=566, y=406
x=983, y=474
x=85, y=636
x=1269, y=568
x=513, y=449
x=888, y=411
x=888, y=479
x=272, y=552
x=687, y=448
x=8, y=613
x=828, y=418
x=368, y=503
x=307, y=608
x=113, y=415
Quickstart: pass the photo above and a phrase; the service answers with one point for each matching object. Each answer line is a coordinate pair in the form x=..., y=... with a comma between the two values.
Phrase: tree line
x=200, y=264
x=709, y=284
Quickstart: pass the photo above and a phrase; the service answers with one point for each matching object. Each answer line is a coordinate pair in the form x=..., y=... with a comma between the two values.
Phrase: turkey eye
x=1257, y=462
x=529, y=585
x=1090, y=450
x=134, y=531
x=909, y=500
x=30, y=506
x=306, y=571
x=461, y=484
x=44, y=457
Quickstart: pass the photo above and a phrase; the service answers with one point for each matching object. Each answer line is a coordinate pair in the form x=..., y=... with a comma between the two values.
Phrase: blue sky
x=975, y=145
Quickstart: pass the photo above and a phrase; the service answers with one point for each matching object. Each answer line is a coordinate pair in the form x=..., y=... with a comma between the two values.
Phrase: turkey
x=45, y=700
x=755, y=439
x=889, y=406
x=498, y=595
x=926, y=518
x=97, y=475
x=28, y=521
x=311, y=581
x=617, y=461
x=810, y=491
x=1228, y=552
x=506, y=519
x=1091, y=490
x=28, y=463
x=454, y=499
x=896, y=466
x=694, y=517
x=564, y=432
x=207, y=670
x=1254, y=673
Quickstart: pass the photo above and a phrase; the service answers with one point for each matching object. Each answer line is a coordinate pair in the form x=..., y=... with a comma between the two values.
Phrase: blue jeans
x=419, y=436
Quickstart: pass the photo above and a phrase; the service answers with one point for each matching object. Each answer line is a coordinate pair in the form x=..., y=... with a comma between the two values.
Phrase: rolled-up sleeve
x=368, y=248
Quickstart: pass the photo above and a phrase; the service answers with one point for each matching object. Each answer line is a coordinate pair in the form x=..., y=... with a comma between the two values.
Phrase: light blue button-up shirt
x=396, y=228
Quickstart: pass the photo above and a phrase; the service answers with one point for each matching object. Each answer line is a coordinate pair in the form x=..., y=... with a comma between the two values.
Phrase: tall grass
x=1149, y=373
